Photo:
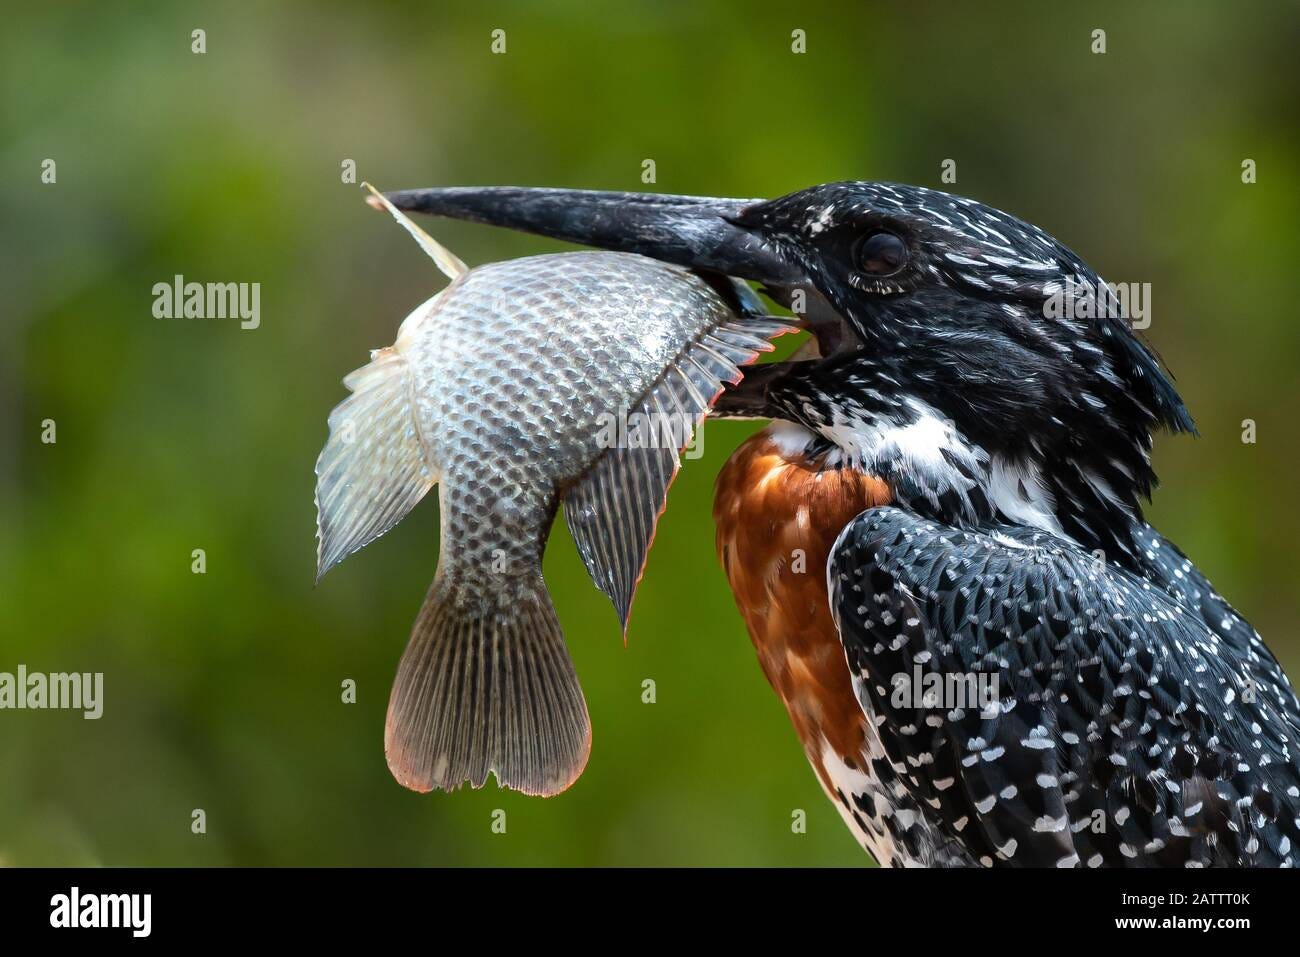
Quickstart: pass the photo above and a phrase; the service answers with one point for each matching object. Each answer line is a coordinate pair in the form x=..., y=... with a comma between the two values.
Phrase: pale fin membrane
x=450, y=264
x=612, y=511
x=372, y=470
x=484, y=690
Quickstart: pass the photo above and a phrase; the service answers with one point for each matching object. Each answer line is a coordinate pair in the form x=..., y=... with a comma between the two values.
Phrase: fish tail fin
x=373, y=469
x=487, y=685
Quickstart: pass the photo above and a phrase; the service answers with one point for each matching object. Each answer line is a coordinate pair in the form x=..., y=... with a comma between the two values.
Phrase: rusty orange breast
x=777, y=514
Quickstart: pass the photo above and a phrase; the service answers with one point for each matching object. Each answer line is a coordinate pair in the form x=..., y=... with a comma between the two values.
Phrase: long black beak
x=692, y=231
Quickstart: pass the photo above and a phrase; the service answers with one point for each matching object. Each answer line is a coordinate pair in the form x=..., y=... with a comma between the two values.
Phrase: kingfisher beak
x=692, y=231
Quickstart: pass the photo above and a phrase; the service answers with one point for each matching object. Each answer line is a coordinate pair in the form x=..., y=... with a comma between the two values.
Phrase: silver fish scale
x=502, y=390
x=580, y=335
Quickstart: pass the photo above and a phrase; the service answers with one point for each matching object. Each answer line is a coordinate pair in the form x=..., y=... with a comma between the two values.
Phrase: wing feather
x=1122, y=730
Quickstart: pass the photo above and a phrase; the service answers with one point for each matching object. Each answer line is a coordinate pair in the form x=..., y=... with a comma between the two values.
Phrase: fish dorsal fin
x=612, y=511
x=447, y=261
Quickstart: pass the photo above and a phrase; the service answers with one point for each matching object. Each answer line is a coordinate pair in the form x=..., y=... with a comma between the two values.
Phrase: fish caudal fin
x=612, y=511
x=484, y=689
x=373, y=469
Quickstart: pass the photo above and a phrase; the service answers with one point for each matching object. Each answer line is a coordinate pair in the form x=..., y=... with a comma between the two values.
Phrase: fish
x=523, y=385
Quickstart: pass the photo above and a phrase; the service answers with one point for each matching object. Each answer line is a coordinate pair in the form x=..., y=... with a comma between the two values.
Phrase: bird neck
x=937, y=470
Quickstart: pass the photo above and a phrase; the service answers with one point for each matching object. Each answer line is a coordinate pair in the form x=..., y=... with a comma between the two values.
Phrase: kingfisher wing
x=1116, y=727
x=1167, y=567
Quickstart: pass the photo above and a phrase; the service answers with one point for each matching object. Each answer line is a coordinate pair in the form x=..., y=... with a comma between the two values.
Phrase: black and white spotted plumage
x=1140, y=720
x=1124, y=730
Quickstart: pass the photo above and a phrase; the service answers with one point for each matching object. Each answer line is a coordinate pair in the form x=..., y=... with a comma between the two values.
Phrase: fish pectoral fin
x=482, y=689
x=373, y=469
x=612, y=511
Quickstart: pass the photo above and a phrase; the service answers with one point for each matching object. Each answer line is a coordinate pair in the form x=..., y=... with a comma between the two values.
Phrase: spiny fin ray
x=450, y=264
x=612, y=511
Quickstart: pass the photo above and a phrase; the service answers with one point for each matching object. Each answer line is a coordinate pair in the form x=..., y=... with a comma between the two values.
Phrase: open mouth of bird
x=722, y=237
x=828, y=336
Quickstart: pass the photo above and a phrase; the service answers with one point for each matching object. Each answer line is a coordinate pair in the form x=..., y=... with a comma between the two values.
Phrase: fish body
x=504, y=389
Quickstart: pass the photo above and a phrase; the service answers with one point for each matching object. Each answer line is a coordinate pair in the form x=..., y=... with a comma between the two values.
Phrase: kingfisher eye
x=882, y=254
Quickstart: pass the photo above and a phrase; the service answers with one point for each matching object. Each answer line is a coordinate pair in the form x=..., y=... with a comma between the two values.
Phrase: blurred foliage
x=222, y=691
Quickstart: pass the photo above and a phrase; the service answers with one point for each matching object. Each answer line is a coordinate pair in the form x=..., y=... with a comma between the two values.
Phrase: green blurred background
x=222, y=690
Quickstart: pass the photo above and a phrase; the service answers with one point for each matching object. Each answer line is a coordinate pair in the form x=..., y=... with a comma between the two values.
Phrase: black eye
x=882, y=254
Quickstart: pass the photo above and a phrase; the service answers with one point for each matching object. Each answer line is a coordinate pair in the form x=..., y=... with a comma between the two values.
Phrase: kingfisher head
x=959, y=351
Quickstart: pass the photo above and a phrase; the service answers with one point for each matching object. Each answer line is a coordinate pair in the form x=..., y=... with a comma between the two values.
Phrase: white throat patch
x=932, y=454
